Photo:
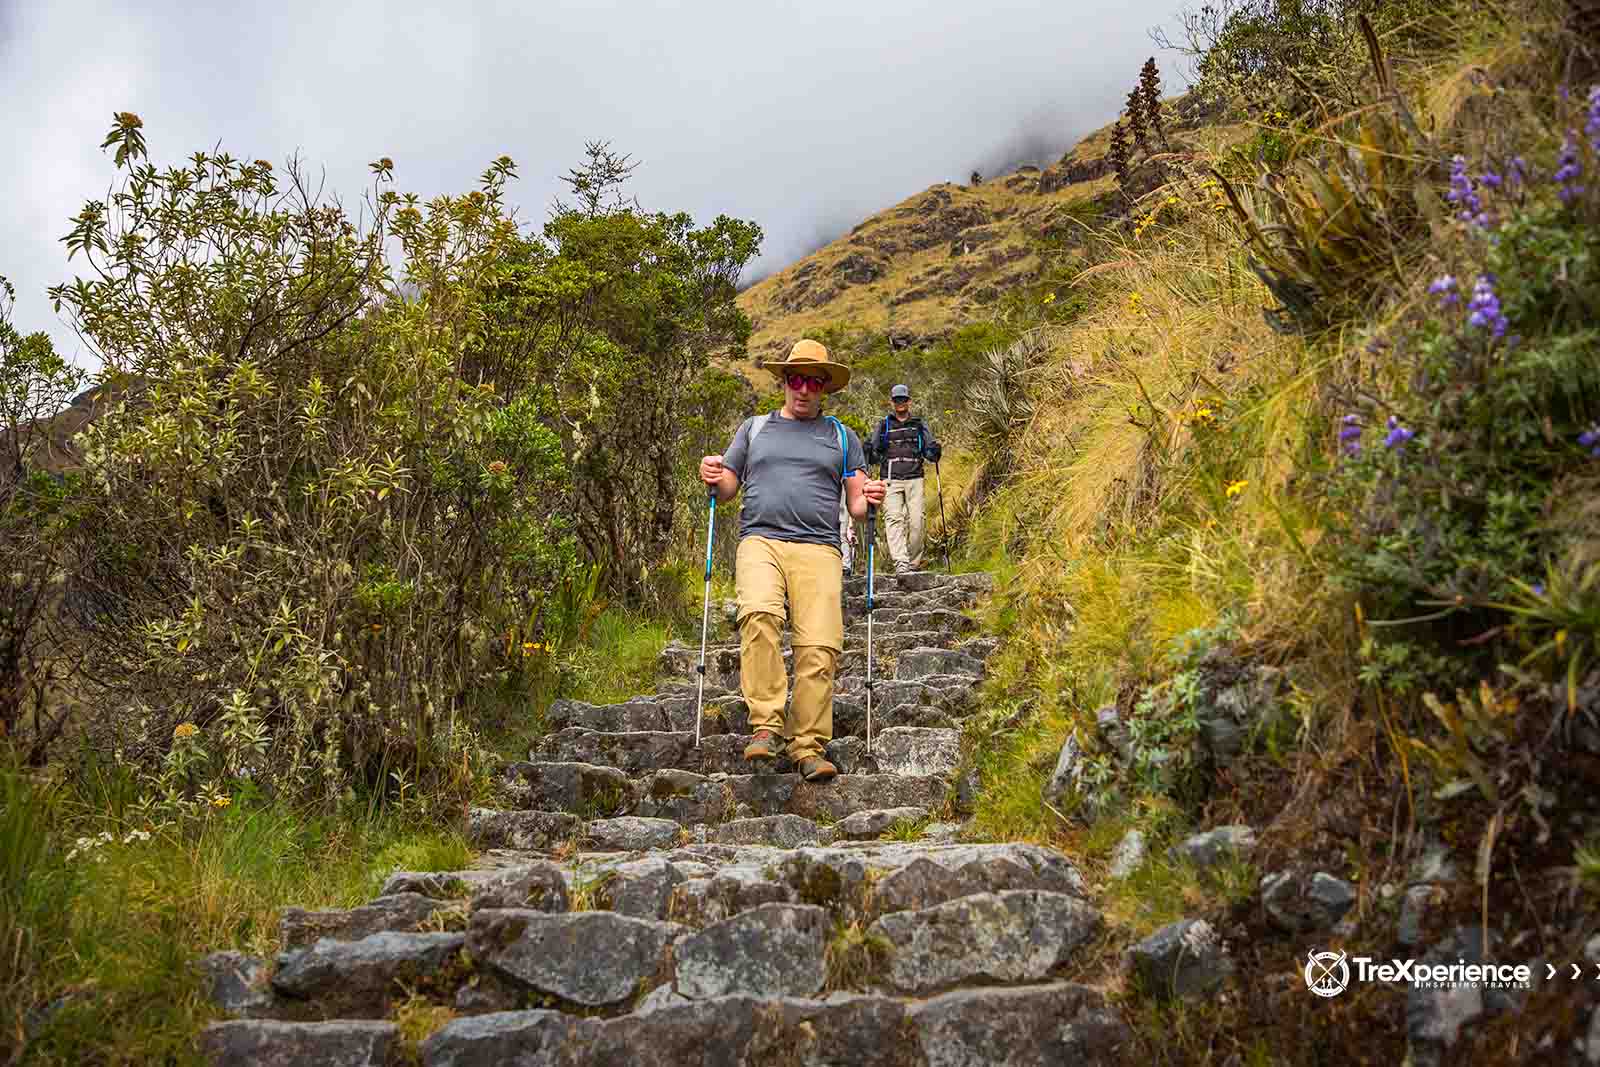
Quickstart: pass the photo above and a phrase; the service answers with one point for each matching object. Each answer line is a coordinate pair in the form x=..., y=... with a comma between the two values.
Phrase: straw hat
x=810, y=357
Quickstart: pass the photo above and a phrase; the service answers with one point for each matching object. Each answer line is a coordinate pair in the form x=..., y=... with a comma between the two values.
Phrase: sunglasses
x=802, y=383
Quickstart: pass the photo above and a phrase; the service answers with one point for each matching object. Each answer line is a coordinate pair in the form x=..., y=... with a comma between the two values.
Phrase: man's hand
x=711, y=469
x=875, y=490
x=933, y=452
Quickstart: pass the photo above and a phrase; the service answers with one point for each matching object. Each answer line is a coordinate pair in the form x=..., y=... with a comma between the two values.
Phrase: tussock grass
x=99, y=947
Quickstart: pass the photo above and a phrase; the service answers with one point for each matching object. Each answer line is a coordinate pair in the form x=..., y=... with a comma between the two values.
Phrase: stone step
x=1039, y=1025
x=545, y=831
x=908, y=655
x=897, y=750
x=595, y=792
x=591, y=933
x=859, y=881
x=931, y=701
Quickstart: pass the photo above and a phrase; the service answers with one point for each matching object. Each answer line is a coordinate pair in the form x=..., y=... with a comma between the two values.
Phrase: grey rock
x=1128, y=855
x=868, y=880
x=850, y=755
x=1414, y=908
x=1434, y=866
x=238, y=984
x=1211, y=847
x=343, y=1043
x=1113, y=732
x=773, y=794
x=772, y=950
x=917, y=750
x=969, y=784
x=683, y=797
x=1180, y=959
x=1228, y=717
x=871, y=825
x=1010, y=936
x=663, y=996
x=594, y=958
x=533, y=831
x=922, y=662
x=579, y=788
x=1298, y=903
x=635, y=752
x=631, y=833
x=701, y=902
x=640, y=888
x=358, y=978
x=399, y=912
x=644, y=713
x=539, y=885
x=1068, y=771
x=486, y=993
x=782, y=831
x=1029, y=1026
x=538, y=1038
x=942, y=833
x=440, y=885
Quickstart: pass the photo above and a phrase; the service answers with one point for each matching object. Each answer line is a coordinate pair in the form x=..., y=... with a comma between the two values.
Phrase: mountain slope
x=919, y=268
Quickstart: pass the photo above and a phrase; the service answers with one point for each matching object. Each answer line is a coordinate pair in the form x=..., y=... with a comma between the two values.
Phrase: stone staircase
x=641, y=900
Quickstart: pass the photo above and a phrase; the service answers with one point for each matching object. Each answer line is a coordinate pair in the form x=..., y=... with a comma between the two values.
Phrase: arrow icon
x=1550, y=970
x=1577, y=972
x=1597, y=970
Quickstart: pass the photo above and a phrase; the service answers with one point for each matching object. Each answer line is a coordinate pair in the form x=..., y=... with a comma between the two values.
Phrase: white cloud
x=802, y=117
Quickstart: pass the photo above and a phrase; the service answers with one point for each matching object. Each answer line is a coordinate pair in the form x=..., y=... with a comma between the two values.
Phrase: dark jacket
x=900, y=447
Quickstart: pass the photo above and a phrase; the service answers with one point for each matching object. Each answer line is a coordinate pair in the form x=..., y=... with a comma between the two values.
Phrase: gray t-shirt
x=791, y=478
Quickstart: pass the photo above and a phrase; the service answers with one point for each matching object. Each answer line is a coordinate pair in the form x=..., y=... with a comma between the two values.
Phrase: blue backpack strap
x=844, y=448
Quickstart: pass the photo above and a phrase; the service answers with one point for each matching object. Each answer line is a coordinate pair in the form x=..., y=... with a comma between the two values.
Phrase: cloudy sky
x=803, y=117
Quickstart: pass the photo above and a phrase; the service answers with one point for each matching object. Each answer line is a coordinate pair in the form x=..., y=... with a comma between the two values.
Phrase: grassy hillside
x=946, y=255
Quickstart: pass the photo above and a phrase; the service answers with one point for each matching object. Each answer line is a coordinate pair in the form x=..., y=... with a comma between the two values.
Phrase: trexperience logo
x=1328, y=974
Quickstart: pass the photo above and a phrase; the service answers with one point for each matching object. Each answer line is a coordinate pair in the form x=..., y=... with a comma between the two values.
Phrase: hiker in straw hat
x=791, y=465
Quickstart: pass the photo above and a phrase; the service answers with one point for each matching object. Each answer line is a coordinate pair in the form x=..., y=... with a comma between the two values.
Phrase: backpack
x=883, y=436
x=844, y=445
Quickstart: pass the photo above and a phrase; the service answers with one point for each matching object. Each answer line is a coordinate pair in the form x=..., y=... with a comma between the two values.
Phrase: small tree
x=35, y=383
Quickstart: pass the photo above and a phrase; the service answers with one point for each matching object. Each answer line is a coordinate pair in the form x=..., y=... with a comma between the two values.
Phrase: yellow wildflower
x=222, y=801
x=1049, y=298
x=1561, y=640
x=185, y=729
x=1134, y=300
x=1235, y=488
x=528, y=647
x=1204, y=415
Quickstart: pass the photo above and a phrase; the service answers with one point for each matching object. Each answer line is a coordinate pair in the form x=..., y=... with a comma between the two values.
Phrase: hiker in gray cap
x=901, y=444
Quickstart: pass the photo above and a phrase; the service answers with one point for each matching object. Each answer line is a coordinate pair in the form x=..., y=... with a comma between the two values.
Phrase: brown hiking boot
x=766, y=746
x=817, y=769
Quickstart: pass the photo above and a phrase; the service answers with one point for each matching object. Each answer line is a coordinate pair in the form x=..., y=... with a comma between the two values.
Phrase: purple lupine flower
x=1462, y=192
x=1517, y=170
x=1444, y=287
x=1592, y=126
x=1485, y=308
x=1398, y=435
x=1568, y=169
x=1490, y=179
x=1590, y=439
x=1350, y=430
x=1538, y=589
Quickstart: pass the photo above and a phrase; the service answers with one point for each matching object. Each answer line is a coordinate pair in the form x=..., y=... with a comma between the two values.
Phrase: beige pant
x=902, y=522
x=768, y=572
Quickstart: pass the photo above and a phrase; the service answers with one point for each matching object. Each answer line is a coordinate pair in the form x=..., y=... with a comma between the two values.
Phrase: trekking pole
x=705, y=618
x=944, y=527
x=872, y=536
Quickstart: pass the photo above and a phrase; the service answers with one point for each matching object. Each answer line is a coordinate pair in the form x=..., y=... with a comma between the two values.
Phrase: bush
x=1458, y=493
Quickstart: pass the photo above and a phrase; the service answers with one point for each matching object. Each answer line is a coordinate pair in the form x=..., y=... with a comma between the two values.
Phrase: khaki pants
x=809, y=576
x=902, y=522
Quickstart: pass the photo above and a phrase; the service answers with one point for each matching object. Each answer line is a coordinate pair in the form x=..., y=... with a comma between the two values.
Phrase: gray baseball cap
x=900, y=392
